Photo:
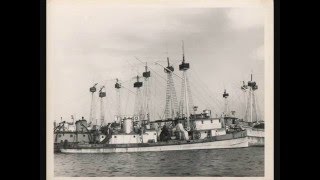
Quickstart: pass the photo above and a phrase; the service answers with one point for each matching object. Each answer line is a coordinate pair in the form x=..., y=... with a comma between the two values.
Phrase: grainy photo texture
x=156, y=91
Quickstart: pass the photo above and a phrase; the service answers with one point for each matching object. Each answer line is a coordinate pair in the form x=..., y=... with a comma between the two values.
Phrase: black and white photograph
x=159, y=89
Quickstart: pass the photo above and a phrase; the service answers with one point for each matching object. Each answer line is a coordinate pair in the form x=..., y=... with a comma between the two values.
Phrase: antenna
x=182, y=51
x=167, y=50
x=251, y=74
x=101, y=88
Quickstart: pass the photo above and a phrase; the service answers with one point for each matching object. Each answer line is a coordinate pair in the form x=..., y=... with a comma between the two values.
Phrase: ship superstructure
x=180, y=128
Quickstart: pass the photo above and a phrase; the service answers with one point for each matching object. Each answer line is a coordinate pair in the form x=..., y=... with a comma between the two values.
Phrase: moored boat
x=179, y=129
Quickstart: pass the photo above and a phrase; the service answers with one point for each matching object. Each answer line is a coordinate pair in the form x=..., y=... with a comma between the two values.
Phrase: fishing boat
x=179, y=129
x=251, y=122
x=206, y=133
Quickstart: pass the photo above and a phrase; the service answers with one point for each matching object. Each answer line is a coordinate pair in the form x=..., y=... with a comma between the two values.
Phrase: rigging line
x=241, y=101
x=160, y=82
x=207, y=102
x=259, y=112
x=168, y=70
x=175, y=62
x=200, y=81
x=198, y=95
x=133, y=67
x=151, y=69
x=238, y=94
x=128, y=90
x=215, y=102
x=157, y=74
x=255, y=106
x=128, y=80
x=208, y=91
x=127, y=102
x=203, y=99
x=158, y=98
x=108, y=109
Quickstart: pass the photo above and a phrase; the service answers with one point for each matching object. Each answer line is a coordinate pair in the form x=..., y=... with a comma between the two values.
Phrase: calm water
x=215, y=162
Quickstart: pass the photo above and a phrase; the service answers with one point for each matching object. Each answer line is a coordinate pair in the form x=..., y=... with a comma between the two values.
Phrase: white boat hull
x=232, y=143
x=255, y=137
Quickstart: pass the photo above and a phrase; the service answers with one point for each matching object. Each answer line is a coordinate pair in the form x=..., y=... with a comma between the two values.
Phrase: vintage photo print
x=159, y=89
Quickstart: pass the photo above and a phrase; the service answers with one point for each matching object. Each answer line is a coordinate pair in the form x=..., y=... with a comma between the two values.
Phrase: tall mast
x=185, y=89
x=102, y=95
x=171, y=108
x=244, y=88
x=225, y=95
x=92, y=112
x=251, y=109
x=138, y=103
x=146, y=74
x=118, y=87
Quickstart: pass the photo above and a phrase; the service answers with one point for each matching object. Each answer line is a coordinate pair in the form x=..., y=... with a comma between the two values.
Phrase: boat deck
x=235, y=135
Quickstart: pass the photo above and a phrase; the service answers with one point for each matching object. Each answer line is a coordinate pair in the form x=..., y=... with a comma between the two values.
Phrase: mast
x=146, y=106
x=225, y=95
x=118, y=87
x=185, y=89
x=102, y=94
x=244, y=88
x=138, y=104
x=171, y=108
x=251, y=100
x=251, y=107
x=92, y=112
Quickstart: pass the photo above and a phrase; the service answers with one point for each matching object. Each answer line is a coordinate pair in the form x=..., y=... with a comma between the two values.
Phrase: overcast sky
x=89, y=43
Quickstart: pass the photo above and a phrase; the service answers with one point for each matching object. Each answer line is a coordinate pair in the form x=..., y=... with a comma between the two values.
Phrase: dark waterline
x=214, y=162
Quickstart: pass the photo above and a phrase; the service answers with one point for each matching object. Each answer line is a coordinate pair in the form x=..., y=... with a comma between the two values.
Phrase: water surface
x=214, y=162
